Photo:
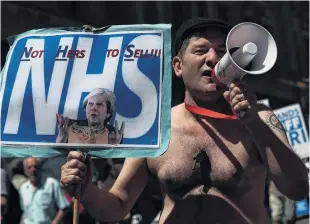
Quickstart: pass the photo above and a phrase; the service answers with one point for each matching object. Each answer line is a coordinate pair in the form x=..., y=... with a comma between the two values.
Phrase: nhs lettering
x=50, y=74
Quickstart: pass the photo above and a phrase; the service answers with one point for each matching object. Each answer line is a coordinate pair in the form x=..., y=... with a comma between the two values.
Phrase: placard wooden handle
x=76, y=205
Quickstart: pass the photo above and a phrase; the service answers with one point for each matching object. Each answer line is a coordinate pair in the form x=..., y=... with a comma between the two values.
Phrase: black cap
x=192, y=25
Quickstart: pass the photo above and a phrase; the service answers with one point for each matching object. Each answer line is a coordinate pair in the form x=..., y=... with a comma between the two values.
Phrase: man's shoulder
x=131, y=164
x=177, y=116
x=24, y=186
x=177, y=112
x=177, y=108
x=51, y=180
x=18, y=180
x=51, y=184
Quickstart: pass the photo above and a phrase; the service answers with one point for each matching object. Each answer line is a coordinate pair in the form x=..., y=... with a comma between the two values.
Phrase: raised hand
x=240, y=97
x=116, y=136
x=62, y=124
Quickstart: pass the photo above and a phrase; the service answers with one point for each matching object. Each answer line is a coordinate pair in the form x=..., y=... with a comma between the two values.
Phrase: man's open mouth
x=206, y=73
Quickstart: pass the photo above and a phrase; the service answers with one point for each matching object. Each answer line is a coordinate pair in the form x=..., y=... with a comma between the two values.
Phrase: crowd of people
x=22, y=204
x=17, y=177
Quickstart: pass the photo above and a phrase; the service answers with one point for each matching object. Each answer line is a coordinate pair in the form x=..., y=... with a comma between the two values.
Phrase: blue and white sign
x=103, y=91
x=302, y=208
x=292, y=119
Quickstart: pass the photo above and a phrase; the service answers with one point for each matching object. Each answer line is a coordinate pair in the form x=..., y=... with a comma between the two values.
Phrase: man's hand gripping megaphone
x=240, y=98
x=229, y=72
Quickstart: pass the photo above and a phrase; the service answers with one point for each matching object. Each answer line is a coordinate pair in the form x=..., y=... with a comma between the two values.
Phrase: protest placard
x=292, y=119
x=106, y=90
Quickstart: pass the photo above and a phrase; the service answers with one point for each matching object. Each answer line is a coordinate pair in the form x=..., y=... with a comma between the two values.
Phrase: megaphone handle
x=242, y=113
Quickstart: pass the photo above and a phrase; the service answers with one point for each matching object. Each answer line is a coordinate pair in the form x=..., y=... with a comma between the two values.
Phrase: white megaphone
x=251, y=49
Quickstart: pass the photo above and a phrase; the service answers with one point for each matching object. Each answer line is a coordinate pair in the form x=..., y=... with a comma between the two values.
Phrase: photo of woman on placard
x=99, y=106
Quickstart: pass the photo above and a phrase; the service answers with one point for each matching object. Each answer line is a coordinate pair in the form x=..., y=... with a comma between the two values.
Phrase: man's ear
x=177, y=66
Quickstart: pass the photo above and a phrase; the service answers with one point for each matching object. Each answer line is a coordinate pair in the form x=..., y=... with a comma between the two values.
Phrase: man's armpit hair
x=274, y=123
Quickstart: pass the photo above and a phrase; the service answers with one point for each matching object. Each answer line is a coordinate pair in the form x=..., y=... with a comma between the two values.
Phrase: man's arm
x=4, y=191
x=115, y=204
x=61, y=202
x=4, y=205
x=286, y=169
x=59, y=216
x=101, y=204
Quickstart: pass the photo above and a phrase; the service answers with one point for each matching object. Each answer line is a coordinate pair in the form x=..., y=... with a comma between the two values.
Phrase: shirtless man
x=214, y=170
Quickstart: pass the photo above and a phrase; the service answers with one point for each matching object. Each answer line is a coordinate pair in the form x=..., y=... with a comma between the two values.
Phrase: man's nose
x=211, y=58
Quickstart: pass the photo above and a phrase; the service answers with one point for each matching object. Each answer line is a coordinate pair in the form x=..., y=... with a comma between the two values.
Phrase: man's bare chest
x=196, y=158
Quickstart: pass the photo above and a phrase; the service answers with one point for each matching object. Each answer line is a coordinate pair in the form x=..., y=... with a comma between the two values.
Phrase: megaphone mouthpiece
x=249, y=48
x=244, y=55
